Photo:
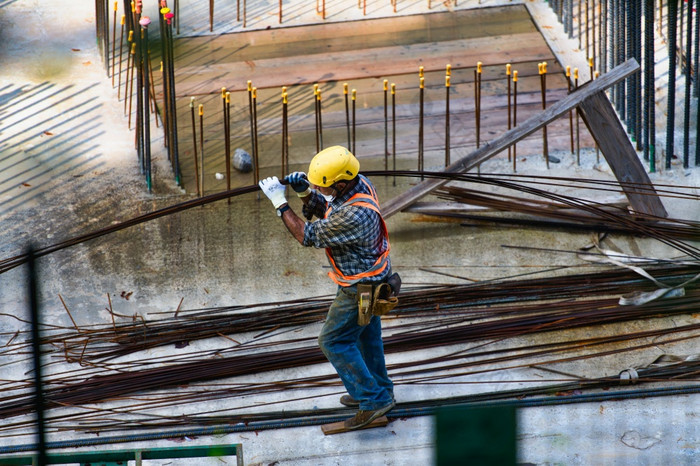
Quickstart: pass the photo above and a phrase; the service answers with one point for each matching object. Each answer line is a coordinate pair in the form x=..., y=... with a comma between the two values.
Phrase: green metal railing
x=121, y=457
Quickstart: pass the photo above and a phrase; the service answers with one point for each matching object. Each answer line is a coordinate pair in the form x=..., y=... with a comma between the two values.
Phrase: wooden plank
x=603, y=124
x=529, y=126
x=353, y=35
x=357, y=64
x=339, y=427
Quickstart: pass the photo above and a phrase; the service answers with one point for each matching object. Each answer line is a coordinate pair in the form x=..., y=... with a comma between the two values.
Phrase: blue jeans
x=356, y=353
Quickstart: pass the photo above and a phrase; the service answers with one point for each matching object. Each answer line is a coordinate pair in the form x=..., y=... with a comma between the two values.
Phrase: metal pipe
x=39, y=401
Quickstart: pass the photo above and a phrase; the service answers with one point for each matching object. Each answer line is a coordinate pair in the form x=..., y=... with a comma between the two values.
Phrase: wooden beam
x=602, y=122
x=511, y=137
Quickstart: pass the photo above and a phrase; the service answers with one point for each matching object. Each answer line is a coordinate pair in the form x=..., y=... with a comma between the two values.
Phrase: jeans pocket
x=349, y=291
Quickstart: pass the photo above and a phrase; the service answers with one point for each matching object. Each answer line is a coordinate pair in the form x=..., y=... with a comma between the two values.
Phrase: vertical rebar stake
x=228, y=144
x=201, y=149
x=671, y=102
x=285, y=153
x=114, y=40
x=320, y=119
x=420, y=124
x=194, y=145
x=688, y=90
x=510, y=120
x=131, y=80
x=129, y=40
x=448, y=76
x=393, y=127
x=255, y=132
x=252, y=132
x=347, y=113
x=515, y=115
x=316, y=111
x=543, y=85
x=386, y=125
x=121, y=59
x=354, y=143
x=571, y=112
x=578, y=133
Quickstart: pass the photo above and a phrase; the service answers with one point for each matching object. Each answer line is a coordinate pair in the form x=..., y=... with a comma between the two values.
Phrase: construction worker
x=351, y=229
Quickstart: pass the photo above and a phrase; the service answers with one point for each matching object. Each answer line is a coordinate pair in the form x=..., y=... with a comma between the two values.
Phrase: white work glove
x=274, y=190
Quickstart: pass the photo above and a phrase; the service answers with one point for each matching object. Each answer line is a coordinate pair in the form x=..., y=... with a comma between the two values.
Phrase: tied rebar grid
x=619, y=37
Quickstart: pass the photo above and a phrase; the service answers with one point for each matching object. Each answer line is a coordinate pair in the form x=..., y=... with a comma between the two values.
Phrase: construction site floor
x=68, y=166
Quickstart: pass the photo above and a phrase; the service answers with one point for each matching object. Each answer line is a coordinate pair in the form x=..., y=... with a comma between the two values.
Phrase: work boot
x=349, y=401
x=363, y=418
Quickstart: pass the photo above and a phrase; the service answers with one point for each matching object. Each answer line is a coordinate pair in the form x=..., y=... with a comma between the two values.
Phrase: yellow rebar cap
x=331, y=165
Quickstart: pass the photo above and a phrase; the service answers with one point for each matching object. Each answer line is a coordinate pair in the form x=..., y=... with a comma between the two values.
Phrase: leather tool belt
x=377, y=299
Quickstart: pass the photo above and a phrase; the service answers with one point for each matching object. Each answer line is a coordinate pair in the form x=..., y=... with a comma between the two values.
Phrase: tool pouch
x=383, y=301
x=364, y=304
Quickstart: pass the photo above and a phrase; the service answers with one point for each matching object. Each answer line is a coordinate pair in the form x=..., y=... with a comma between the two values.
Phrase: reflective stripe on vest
x=370, y=202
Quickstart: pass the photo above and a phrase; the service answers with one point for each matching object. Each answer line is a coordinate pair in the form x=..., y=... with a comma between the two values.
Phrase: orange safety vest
x=369, y=201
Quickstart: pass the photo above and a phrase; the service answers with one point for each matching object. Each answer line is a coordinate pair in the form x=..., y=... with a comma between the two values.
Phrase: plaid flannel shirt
x=352, y=233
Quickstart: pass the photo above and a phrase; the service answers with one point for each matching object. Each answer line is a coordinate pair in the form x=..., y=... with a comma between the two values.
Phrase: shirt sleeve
x=347, y=225
x=316, y=206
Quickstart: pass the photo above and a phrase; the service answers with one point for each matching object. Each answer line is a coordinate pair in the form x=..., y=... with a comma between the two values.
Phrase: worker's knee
x=324, y=343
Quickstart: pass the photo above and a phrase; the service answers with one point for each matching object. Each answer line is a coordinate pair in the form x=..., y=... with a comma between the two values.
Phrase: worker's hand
x=274, y=190
x=299, y=183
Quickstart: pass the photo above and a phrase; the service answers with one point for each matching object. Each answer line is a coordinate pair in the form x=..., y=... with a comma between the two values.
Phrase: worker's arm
x=294, y=224
x=274, y=190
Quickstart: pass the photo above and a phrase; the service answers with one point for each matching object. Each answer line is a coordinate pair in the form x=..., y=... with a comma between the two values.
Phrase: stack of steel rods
x=100, y=343
x=552, y=316
x=561, y=215
x=123, y=418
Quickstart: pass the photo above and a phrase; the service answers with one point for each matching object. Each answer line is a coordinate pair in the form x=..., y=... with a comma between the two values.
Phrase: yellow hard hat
x=332, y=165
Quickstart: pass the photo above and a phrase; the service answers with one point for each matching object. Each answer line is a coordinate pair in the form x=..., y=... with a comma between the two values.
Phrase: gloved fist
x=299, y=183
x=274, y=190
